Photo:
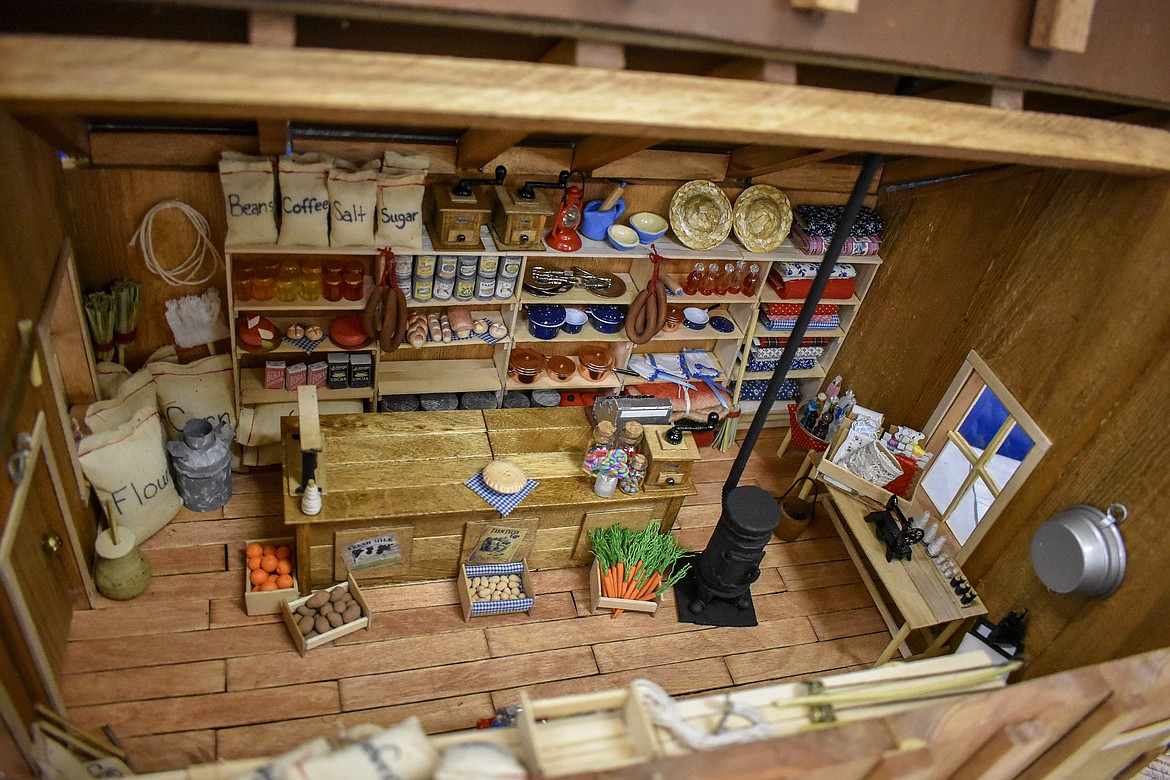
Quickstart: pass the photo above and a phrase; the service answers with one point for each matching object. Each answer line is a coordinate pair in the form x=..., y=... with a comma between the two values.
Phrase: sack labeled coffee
x=249, y=192
x=400, y=195
x=353, y=200
x=304, y=199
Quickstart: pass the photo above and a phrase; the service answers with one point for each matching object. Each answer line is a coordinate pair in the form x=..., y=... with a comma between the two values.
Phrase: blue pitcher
x=594, y=222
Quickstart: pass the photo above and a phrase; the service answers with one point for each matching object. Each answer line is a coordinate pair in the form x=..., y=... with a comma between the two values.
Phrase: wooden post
x=1062, y=25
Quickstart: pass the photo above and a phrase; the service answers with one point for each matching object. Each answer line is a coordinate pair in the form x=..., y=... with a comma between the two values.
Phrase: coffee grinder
x=457, y=212
x=522, y=214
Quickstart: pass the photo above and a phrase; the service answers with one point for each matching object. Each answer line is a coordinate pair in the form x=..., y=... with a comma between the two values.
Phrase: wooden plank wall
x=1059, y=282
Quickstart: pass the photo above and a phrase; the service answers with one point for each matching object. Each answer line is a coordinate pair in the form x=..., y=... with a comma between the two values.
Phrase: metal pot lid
x=597, y=358
x=526, y=361
x=549, y=315
x=1080, y=551
x=608, y=313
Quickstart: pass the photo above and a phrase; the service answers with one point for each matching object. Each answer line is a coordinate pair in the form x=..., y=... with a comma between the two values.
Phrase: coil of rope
x=201, y=264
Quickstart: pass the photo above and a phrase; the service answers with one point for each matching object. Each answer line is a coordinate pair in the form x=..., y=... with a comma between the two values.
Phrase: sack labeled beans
x=249, y=192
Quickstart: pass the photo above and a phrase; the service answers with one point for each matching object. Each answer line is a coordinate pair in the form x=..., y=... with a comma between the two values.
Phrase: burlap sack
x=202, y=389
x=403, y=751
x=249, y=192
x=400, y=194
x=127, y=466
x=304, y=199
x=353, y=200
x=110, y=377
x=135, y=394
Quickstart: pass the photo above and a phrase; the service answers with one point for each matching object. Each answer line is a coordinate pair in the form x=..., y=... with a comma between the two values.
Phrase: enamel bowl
x=648, y=226
x=622, y=237
x=695, y=318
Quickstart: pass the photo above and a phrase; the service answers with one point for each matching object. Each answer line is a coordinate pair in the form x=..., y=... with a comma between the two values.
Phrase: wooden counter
x=403, y=474
x=916, y=589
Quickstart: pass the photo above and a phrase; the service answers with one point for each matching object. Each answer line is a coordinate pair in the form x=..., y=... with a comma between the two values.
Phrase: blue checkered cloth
x=753, y=390
x=306, y=344
x=505, y=503
x=504, y=605
x=485, y=336
x=821, y=322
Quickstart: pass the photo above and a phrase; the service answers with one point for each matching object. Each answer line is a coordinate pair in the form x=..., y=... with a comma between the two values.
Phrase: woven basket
x=800, y=435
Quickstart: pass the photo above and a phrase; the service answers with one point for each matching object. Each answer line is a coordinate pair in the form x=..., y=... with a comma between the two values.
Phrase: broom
x=126, y=293
x=99, y=313
x=195, y=320
x=725, y=435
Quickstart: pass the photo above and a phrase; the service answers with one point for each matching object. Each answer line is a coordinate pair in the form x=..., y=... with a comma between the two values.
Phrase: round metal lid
x=550, y=315
x=526, y=361
x=1080, y=551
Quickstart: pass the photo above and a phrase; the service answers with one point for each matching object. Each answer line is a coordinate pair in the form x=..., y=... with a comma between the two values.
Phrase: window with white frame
x=986, y=445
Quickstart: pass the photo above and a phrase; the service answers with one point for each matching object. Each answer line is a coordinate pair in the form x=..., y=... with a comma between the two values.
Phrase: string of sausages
x=384, y=318
x=647, y=314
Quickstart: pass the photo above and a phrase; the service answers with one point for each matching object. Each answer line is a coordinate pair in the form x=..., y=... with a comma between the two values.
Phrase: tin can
x=424, y=265
x=403, y=264
x=444, y=288
x=509, y=267
x=488, y=264
x=468, y=264
x=447, y=265
x=464, y=287
x=485, y=287
x=505, y=287
x=423, y=288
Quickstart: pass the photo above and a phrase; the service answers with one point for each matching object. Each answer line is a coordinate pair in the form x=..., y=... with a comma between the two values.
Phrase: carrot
x=611, y=584
x=621, y=570
x=646, y=592
x=628, y=587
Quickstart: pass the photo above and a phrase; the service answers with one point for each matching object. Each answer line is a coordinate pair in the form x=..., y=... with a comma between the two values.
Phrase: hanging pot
x=1080, y=551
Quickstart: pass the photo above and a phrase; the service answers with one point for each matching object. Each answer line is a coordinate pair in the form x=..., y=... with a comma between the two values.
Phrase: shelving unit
x=473, y=365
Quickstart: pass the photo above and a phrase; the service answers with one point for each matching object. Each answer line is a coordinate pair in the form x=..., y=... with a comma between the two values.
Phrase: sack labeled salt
x=400, y=195
x=199, y=390
x=304, y=199
x=353, y=200
x=249, y=192
x=127, y=466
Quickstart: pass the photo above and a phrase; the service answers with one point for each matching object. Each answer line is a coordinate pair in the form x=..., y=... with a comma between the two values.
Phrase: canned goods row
x=457, y=277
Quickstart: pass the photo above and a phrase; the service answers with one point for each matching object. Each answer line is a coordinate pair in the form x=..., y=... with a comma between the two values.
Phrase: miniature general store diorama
x=382, y=449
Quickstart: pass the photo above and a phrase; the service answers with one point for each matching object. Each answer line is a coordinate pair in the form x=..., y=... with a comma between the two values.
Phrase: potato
x=305, y=625
x=303, y=610
x=317, y=599
x=338, y=593
x=326, y=608
x=335, y=619
x=353, y=613
x=322, y=624
x=484, y=593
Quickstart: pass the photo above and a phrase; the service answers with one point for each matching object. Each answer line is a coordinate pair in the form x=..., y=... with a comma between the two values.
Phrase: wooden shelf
x=318, y=305
x=788, y=252
x=771, y=296
x=782, y=334
x=805, y=373
x=435, y=303
x=706, y=334
x=288, y=249
x=399, y=377
x=576, y=382
x=288, y=349
x=253, y=391
x=707, y=300
x=587, y=335
x=471, y=341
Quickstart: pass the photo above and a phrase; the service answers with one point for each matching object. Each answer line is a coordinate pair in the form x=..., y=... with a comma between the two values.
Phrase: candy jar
x=603, y=441
x=631, y=438
x=635, y=474
x=691, y=285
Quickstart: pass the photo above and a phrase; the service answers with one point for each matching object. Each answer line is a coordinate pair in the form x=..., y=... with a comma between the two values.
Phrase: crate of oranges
x=269, y=576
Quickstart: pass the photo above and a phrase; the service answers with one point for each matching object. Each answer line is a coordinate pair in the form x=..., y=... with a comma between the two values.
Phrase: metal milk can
x=202, y=463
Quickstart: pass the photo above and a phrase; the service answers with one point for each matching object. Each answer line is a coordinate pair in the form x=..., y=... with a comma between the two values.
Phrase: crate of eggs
x=325, y=615
x=269, y=578
x=495, y=588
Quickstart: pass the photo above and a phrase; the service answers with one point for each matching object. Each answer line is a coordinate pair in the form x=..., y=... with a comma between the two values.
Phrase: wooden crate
x=267, y=602
x=288, y=609
x=511, y=605
x=587, y=732
x=598, y=602
x=851, y=481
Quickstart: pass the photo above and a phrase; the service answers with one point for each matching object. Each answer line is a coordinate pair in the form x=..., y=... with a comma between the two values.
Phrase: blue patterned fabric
x=504, y=605
x=505, y=503
x=753, y=390
x=798, y=364
x=831, y=322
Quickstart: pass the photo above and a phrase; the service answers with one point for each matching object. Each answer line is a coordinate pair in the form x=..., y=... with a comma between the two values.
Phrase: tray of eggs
x=494, y=589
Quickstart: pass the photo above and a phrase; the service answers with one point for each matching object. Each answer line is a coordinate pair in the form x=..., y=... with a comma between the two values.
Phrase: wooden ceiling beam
x=65, y=133
x=95, y=76
x=277, y=31
x=1062, y=25
x=478, y=147
x=760, y=159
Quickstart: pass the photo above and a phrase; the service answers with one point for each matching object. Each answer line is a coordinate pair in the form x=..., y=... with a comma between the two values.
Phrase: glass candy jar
x=635, y=474
x=604, y=436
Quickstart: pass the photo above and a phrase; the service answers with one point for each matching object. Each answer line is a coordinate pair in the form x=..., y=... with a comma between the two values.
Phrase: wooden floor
x=182, y=675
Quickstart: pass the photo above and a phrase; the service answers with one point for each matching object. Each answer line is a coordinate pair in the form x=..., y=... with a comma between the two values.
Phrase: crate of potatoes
x=495, y=588
x=325, y=615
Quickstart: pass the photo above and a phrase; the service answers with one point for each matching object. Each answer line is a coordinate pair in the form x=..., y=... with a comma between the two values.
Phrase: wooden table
x=915, y=588
x=402, y=474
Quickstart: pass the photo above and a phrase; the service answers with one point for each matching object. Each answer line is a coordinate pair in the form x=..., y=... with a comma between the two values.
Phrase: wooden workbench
x=403, y=474
x=914, y=588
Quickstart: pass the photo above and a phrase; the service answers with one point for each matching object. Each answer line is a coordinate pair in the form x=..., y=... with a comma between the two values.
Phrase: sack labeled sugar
x=127, y=466
x=202, y=390
x=249, y=192
x=353, y=200
x=400, y=195
x=135, y=394
x=304, y=199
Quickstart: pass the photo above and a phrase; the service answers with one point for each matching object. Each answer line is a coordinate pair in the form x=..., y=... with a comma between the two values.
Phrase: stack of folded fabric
x=794, y=280
x=782, y=316
x=767, y=358
x=813, y=228
x=753, y=390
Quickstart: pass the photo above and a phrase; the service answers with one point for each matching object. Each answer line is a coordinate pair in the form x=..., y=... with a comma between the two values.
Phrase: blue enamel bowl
x=649, y=226
x=607, y=319
x=545, y=320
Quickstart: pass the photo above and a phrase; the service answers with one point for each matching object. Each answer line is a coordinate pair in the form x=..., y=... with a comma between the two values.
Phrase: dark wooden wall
x=1059, y=281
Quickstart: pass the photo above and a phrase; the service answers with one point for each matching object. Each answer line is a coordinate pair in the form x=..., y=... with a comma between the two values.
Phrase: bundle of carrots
x=636, y=564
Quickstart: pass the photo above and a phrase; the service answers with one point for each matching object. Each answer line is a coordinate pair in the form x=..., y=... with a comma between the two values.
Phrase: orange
x=269, y=585
x=270, y=549
x=283, y=552
x=259, y=576
x=283, y=567
x=268, y=563
x=284, y=581
x=254, y=549
x=254, y=562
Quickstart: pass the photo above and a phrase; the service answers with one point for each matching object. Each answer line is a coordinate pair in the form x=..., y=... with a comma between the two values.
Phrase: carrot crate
x=599, y=602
